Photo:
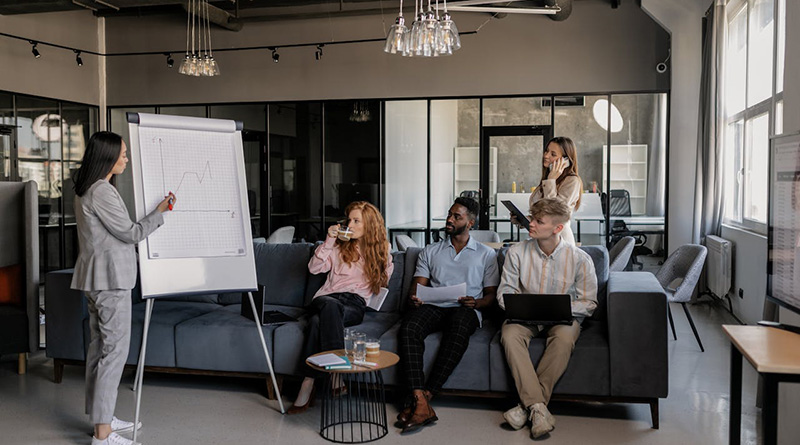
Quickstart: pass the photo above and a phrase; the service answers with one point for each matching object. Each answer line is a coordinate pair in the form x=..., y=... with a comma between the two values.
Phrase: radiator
x=719, y=274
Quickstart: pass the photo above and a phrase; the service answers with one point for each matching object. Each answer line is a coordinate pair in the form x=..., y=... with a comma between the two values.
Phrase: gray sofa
x=621, y=355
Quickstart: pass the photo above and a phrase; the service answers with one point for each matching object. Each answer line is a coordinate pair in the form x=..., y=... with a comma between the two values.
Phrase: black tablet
x=521, y=218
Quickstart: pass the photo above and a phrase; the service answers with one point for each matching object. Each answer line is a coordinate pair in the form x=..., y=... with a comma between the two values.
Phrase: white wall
x=55, y=74
x=683, y=20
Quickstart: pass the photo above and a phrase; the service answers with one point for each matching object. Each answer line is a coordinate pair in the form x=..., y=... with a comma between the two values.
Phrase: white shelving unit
x=629, y=172
x=466, y=169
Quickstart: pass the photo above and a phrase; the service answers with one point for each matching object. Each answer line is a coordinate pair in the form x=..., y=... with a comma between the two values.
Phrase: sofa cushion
x=161, y=335
x=588, y=372
x=283, y=270
x=412, y=255
x=472, y=373
x=394, y=297
x=222, y=340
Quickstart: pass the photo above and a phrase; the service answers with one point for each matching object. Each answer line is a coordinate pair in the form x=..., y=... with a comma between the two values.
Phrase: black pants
x=457, y=325
x=330, y=314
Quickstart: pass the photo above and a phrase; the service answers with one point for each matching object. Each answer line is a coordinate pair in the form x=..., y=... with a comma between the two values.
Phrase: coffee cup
x=373, y=348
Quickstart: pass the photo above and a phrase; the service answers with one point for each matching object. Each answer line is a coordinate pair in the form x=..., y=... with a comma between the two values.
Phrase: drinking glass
x=360, y=347
x=348, y=342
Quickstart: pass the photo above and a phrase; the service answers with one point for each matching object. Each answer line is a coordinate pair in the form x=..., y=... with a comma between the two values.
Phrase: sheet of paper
x=377, y=300
x=446, y=296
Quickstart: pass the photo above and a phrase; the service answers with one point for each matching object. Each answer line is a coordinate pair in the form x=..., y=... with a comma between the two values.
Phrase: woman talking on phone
x=106, y=272
x=560, y=178
x=357, y=259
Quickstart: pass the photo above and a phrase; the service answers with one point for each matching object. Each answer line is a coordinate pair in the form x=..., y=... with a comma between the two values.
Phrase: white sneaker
x=113, y=439
x=517, y=416
x=542, y=422
x=121, y=426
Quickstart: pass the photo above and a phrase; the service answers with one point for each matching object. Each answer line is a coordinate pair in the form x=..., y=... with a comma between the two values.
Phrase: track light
x=35, y=51
x=275, y=56
x=318, y=54
x=78, y=59
x=170, y=61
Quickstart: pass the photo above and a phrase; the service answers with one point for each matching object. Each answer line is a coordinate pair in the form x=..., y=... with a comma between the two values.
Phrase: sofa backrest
x=283, y=271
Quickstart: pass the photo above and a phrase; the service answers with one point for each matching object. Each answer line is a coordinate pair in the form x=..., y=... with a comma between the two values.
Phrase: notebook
x=538, y=309
x=324, y=360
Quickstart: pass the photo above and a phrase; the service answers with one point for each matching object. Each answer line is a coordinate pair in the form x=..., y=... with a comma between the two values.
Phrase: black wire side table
x=357, y=413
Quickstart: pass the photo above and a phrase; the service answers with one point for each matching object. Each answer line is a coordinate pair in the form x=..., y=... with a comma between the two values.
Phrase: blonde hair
x=554, y=208
x=570, y=151
x=373, y=246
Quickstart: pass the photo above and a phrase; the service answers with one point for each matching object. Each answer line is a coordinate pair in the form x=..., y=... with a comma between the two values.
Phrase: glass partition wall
x=43, y=140
x=412, y=158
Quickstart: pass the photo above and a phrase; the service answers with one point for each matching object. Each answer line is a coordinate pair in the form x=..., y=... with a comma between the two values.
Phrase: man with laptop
x=548, y=287
x=457, y=260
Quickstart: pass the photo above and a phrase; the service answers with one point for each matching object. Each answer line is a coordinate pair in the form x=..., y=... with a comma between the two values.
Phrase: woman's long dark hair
x=570, y=151
x=101, y=154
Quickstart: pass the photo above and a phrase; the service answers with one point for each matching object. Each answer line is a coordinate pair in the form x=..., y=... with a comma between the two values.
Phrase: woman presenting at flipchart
x=106, y=272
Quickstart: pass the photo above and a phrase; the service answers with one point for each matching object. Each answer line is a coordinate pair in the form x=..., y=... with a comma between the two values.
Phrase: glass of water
x=360, y=347
x=348, y=342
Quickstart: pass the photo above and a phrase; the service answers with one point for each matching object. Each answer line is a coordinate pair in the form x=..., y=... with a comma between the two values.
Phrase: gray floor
x=218, y=410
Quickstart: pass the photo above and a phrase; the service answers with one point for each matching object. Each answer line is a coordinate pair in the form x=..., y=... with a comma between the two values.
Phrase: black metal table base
x=358, y=414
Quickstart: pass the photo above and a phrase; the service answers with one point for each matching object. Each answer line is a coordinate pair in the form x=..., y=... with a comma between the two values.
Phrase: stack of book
x=330, y=361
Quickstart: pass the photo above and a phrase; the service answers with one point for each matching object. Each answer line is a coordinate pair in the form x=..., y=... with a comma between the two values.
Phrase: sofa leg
x=58, y=370
x=654, y=413
x=22, y=363
x=271, y=388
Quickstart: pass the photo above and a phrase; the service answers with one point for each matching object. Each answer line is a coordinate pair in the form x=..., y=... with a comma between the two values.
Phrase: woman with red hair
x=357, y=269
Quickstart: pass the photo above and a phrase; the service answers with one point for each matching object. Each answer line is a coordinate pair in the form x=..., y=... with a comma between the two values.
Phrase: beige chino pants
x=536, y=385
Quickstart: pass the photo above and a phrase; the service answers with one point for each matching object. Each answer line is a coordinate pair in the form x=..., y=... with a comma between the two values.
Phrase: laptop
x=538, y=309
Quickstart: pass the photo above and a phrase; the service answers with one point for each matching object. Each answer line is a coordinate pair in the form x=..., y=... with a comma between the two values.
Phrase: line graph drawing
x=199, y=167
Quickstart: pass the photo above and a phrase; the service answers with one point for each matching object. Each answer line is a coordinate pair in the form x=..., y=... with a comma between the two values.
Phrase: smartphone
x=566, y=165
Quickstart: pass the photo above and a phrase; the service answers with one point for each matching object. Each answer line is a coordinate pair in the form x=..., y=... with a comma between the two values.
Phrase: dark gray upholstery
x=19, y=238
x=621, y=351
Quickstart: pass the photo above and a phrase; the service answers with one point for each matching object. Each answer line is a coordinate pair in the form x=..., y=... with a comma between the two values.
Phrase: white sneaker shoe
x=121, y=426
x=542, y=422
x=113, y=439
x=516, y=417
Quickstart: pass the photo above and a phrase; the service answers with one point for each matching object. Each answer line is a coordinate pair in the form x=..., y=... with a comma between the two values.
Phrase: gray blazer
x=106, y=237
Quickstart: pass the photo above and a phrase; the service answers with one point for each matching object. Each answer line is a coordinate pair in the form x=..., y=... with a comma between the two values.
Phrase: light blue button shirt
x=475, y=265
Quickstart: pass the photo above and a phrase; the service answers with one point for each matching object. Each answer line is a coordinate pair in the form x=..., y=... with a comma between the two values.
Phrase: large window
x=754, y=48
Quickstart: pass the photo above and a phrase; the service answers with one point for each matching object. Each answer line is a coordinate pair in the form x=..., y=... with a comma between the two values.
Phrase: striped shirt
x=568, y=270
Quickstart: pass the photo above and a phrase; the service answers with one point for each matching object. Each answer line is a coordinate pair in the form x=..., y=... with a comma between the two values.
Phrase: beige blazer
x=106, y=237
x=569, y=192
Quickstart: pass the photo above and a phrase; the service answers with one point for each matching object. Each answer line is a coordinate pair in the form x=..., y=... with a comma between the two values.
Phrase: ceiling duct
x=218, y=17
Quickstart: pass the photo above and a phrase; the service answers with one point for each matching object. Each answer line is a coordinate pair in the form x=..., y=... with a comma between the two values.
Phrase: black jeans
x=457, y=325
x=330, y=314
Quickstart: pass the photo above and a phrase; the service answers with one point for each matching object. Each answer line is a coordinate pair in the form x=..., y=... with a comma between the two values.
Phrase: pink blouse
x=343, y=277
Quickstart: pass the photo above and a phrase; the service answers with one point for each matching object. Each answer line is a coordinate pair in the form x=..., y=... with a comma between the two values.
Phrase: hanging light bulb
x=396, y=40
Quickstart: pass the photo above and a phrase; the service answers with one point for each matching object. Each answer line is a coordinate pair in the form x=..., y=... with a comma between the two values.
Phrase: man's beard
x=454, y=231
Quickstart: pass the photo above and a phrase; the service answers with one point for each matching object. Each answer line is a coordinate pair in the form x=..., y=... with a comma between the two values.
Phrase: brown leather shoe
x=406, y=414
x=420, y=419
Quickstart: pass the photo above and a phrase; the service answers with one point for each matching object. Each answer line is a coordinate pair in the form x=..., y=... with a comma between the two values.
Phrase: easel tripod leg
x=256, y=318
x=140, y=366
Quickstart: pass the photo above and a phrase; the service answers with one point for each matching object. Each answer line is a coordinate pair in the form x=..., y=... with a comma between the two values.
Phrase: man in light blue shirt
x=456, y=260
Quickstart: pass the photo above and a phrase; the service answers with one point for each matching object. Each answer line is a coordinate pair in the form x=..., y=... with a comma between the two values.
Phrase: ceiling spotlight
x=78, y=59
x=318, y=54
x=275, y=56
x=170, y=61
x=34, y=50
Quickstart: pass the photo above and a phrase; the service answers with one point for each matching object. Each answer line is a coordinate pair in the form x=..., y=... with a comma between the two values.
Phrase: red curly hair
x=373, y=246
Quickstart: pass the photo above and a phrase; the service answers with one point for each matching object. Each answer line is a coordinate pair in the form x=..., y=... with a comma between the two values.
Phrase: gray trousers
x=110, y=328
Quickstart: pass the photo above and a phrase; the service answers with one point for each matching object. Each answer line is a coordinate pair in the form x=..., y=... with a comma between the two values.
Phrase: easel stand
x=137, y=385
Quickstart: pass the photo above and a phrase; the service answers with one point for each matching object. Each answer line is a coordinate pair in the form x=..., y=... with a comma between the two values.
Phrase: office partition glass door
x=7, y=129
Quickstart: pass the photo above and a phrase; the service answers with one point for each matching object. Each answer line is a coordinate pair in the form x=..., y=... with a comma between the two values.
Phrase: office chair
x=686, y=262
x=619, y=204
x=403, y=242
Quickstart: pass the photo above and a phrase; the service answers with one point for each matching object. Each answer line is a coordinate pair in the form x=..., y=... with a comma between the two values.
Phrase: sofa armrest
x=66, y=310
x=637, y=335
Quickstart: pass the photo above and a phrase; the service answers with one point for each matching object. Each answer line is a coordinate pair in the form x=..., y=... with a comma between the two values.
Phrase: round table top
x=385, y=360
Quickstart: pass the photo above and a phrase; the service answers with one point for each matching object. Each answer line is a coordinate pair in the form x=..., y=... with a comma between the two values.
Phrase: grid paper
x=199, y=167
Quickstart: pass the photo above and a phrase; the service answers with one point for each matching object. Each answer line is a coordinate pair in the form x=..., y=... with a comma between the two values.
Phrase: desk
x=408, y=228
x=629, y=221
x=775, y=354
